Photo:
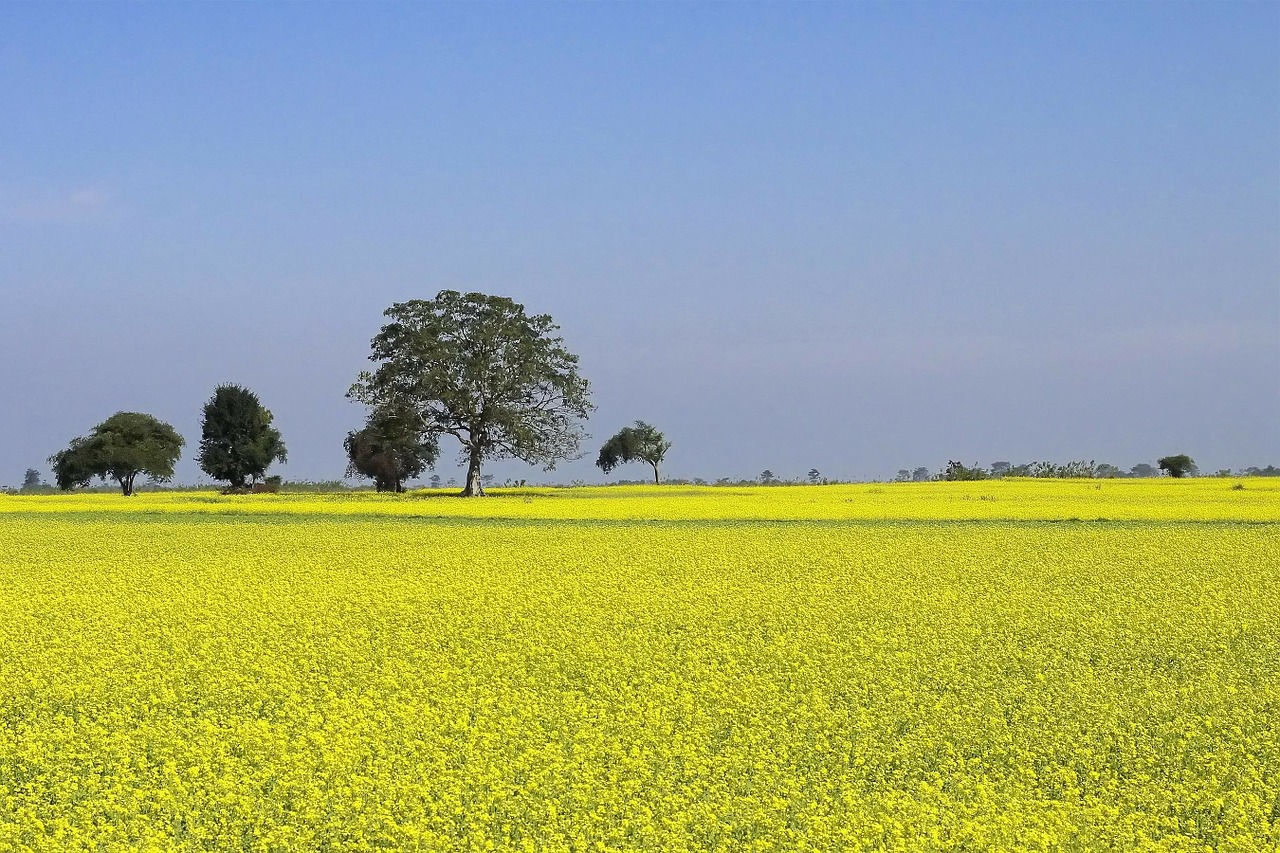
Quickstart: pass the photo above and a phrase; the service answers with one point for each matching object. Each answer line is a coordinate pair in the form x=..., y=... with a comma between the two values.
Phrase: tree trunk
x=475, y=488
x=126, y=485
x=656, y=481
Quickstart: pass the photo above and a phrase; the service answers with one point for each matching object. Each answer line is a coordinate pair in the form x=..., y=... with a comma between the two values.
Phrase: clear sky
x=857, y=237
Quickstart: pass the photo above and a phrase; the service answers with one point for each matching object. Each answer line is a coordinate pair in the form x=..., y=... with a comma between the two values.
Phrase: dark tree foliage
x=1177, y=466
x=959, y=471
x=637, y=443
x=32, y=479
x=390, y=450
x=120, y=448
x=478, y=368
x=237, y=441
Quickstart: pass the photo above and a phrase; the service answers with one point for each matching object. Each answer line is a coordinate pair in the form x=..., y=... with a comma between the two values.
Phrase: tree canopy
x=637, y=443
x=390, y=449
x=478, y=368
x=120, y=448
x=1177, y=466
x=237, y=441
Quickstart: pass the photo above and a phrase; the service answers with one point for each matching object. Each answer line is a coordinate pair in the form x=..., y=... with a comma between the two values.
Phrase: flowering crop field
x=1012, y=665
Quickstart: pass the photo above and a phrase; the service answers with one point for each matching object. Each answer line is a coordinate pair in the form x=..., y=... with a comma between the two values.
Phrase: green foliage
x=31, y=480
x=389, y=450
x=237, y=441
x=1079, y=469
x=637, y=443
x=959, y=471
x=1181, y=465
x=478, y=368
x=120, y=448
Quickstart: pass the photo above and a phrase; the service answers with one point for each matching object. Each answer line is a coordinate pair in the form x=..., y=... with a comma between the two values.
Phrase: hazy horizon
x=856, y=238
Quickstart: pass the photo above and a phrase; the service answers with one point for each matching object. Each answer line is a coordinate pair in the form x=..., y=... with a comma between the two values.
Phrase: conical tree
x=237, y=441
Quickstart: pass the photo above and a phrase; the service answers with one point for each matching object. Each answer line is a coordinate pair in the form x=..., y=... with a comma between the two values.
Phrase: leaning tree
x=478, y=368
x=237, y=441
x=638, y=443
x=120, y=448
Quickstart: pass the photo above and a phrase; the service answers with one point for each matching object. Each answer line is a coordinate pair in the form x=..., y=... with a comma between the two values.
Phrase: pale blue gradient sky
x=858, y=237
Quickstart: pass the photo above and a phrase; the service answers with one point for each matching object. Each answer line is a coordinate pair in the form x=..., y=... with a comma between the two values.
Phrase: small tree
x=120, y=448
x=1177, y=466
x=237, y=441
x=815, y=476
x=32, y=479
x=389, y=450
x=920, y=475
x=478, y=368
x=959, y=471
x=638, y=443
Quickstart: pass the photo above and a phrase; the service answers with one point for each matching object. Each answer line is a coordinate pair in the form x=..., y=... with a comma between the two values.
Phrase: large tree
x=478, y=368
x=390, y=449
x=120, y=448
x=237, y=441
x=638, y=443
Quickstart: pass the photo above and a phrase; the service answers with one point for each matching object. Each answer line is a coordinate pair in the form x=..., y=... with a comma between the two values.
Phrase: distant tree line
x=470, y=366
x=1178, y=465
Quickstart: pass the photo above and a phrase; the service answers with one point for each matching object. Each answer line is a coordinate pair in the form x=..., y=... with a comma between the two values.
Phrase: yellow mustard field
x=1203, y=499
x=911, y=667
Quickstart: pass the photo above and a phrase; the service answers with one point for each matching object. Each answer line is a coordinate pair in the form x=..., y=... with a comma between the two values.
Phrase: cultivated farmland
x=1000, y=665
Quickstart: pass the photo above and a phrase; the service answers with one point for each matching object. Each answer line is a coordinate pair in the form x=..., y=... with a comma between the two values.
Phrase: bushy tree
x=120, y=448
x=478, y=368
x=237, y=441
x=637, y=443
x=1181, y=465
x=31, y=480
x=389, y=450
x=959, y=471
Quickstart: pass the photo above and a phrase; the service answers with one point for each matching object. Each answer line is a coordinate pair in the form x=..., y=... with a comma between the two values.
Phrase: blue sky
x=857, y=237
